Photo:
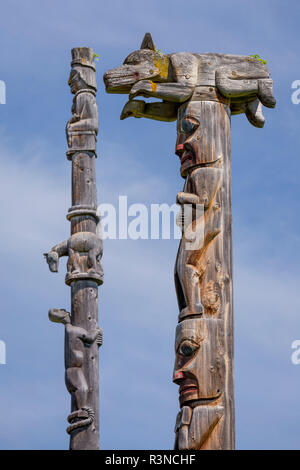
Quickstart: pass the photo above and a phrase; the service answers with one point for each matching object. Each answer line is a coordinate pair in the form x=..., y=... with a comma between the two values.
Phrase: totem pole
x=84, y=250
x=201, y=91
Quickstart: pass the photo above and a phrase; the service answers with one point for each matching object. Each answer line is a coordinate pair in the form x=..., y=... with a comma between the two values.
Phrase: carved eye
x=132, y=59
x=189, y=125
x=187, y=348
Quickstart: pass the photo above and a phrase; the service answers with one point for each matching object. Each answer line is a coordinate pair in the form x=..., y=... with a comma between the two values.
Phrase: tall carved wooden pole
x=84, y=250
x=201, y=91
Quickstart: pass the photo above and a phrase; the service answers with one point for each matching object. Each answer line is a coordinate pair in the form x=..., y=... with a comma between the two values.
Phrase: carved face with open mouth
x=199, y=362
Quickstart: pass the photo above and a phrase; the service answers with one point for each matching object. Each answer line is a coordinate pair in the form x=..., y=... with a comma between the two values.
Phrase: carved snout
x=52, y=260
x=120, y=79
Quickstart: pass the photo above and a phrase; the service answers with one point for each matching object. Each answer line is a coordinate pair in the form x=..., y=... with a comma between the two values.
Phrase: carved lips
x=188, y=390
x=186, y=157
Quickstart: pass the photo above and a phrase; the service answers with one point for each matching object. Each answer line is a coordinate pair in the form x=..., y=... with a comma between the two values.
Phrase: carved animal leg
x=241, y=79
x=92, y=263
x=73, y=266
x=265, y=93
x=254, y=113
x=160, y=111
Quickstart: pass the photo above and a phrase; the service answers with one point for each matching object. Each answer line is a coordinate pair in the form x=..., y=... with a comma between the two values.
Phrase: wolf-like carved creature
x=175, y=78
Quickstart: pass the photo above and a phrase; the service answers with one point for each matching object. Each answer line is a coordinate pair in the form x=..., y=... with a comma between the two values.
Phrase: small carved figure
x=84, y=120
x=80, y=243
x=76, y=341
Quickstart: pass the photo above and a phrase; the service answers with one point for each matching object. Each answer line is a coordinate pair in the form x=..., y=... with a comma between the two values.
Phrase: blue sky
x=138, y=309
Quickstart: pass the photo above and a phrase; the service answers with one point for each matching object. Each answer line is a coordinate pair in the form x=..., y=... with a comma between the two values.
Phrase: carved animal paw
x=142, y=88
x=254, y=113
x=265, y=92
x=134, y=108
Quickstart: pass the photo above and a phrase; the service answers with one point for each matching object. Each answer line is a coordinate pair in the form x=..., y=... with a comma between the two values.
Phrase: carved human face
x=188, y=136
x=75, y=82
x=202, y=133
x=199, y=363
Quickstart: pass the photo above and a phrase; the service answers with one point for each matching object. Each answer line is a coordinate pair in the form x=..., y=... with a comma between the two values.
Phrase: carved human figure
x=201, y=159
x=76, y=341
x=82, y=127
x=79, y=244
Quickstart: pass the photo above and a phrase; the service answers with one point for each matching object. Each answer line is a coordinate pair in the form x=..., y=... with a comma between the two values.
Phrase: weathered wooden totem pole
x=84, y=250
x=201, y=91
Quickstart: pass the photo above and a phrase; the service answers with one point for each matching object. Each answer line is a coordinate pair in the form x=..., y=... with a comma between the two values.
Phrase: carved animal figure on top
x=175, y=78
x=76, y=341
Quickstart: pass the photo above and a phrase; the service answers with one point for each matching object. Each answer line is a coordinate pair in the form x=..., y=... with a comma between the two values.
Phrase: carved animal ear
x=148, y=42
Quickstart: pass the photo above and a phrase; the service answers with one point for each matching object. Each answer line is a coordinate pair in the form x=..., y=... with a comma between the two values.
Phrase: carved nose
x=179, y=149
x=178, y=375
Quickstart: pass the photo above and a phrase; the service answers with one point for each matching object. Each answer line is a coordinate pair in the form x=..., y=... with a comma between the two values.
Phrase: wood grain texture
x=203, y=278
x=205, y=90
x=83, y=336
x=176, y=78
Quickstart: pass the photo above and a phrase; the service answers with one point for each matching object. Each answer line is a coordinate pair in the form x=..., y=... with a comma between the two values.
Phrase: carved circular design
x=98, y=278
x=82, y=212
